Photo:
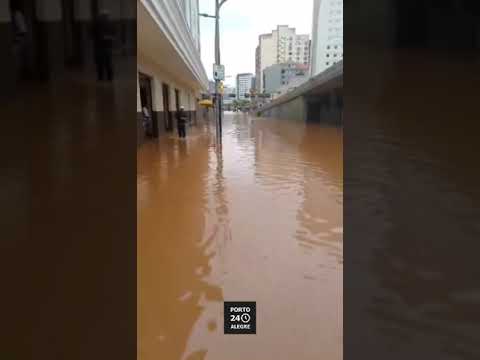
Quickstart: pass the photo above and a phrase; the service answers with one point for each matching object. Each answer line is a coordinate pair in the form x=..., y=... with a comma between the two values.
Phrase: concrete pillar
x=140, y=131
x=51, y=46
x=477, y=33
x=123, y=14
x=335, y=111
x=83, y=18
x=128, y=15
x=7, y=60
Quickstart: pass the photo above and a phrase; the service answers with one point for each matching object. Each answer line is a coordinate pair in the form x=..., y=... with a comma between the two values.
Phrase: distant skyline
x=241, y=22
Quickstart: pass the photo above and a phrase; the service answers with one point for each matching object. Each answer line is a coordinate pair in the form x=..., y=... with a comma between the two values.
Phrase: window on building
x=328, y=55
x=327, y=63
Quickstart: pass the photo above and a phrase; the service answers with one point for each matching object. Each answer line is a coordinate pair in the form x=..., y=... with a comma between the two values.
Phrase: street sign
x=218, y=72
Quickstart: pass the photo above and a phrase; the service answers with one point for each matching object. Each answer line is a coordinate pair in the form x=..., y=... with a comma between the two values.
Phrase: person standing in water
x=181, y=122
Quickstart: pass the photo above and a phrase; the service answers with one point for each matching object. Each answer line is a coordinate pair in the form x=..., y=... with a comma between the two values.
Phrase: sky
x=241, y=22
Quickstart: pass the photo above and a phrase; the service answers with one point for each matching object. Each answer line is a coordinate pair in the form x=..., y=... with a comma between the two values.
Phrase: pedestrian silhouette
x=20, y=32
x=103, y=38
x=181, y=122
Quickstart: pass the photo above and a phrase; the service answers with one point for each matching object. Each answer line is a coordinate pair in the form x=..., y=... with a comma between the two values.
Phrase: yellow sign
x=206, y=103
x=221, y=87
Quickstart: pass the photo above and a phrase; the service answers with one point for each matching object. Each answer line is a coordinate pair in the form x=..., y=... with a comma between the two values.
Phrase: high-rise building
x=229, y=96
x=244, y=85
x=327, y=34
x=229, y=92
x=280, y=46
x=211, y=87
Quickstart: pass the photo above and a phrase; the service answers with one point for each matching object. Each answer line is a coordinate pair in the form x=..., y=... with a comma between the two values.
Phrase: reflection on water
x=412, y=188
x=261, y=220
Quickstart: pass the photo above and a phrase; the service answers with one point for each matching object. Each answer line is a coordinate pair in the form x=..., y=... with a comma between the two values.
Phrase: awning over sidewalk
x=206, y=103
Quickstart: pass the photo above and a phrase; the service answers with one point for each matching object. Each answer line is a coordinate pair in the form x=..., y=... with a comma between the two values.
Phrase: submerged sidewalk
x=259, y=221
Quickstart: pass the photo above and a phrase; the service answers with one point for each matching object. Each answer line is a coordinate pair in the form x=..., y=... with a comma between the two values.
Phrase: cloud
x=241, y=22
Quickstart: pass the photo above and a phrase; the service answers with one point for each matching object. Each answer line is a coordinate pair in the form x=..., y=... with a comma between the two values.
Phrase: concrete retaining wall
x=292, y=110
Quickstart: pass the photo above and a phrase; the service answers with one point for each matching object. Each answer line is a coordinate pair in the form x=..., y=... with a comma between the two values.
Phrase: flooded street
x=411, y=208
x=259, y=221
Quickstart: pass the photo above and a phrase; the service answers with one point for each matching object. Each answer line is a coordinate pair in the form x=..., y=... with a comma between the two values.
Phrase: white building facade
x=244, y=85
x=170, y=71
x=281, y=46
x=327, y=34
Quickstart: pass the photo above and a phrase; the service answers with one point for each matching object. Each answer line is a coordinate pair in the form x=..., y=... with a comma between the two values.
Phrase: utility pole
x=218, y=5
x=217, y=62
x=218, y=96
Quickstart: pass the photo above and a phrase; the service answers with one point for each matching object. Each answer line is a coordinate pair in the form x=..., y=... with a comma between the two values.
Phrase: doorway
x=150, y=123
x=166, y=107
x=177, y=100
x=177, y=103
x=24, y=47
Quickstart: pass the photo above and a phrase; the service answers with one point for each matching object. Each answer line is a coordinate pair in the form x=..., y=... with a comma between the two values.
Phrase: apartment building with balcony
x=280, y=46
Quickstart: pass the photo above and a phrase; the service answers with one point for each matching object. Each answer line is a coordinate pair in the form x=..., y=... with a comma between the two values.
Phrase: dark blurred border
x=67, y=183
x=411, y=194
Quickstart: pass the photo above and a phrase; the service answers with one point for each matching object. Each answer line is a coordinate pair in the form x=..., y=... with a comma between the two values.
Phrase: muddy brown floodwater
x=261, y=220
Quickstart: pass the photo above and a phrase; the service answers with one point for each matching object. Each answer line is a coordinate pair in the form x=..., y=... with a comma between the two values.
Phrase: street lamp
x=218, y=100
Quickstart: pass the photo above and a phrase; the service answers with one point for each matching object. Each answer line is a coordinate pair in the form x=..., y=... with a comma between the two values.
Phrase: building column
x=123, y=15
x=51, y=57
x=84, y=33
x=140, y=131
x=7, y=60
x=336, y=99
x=128, y=16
